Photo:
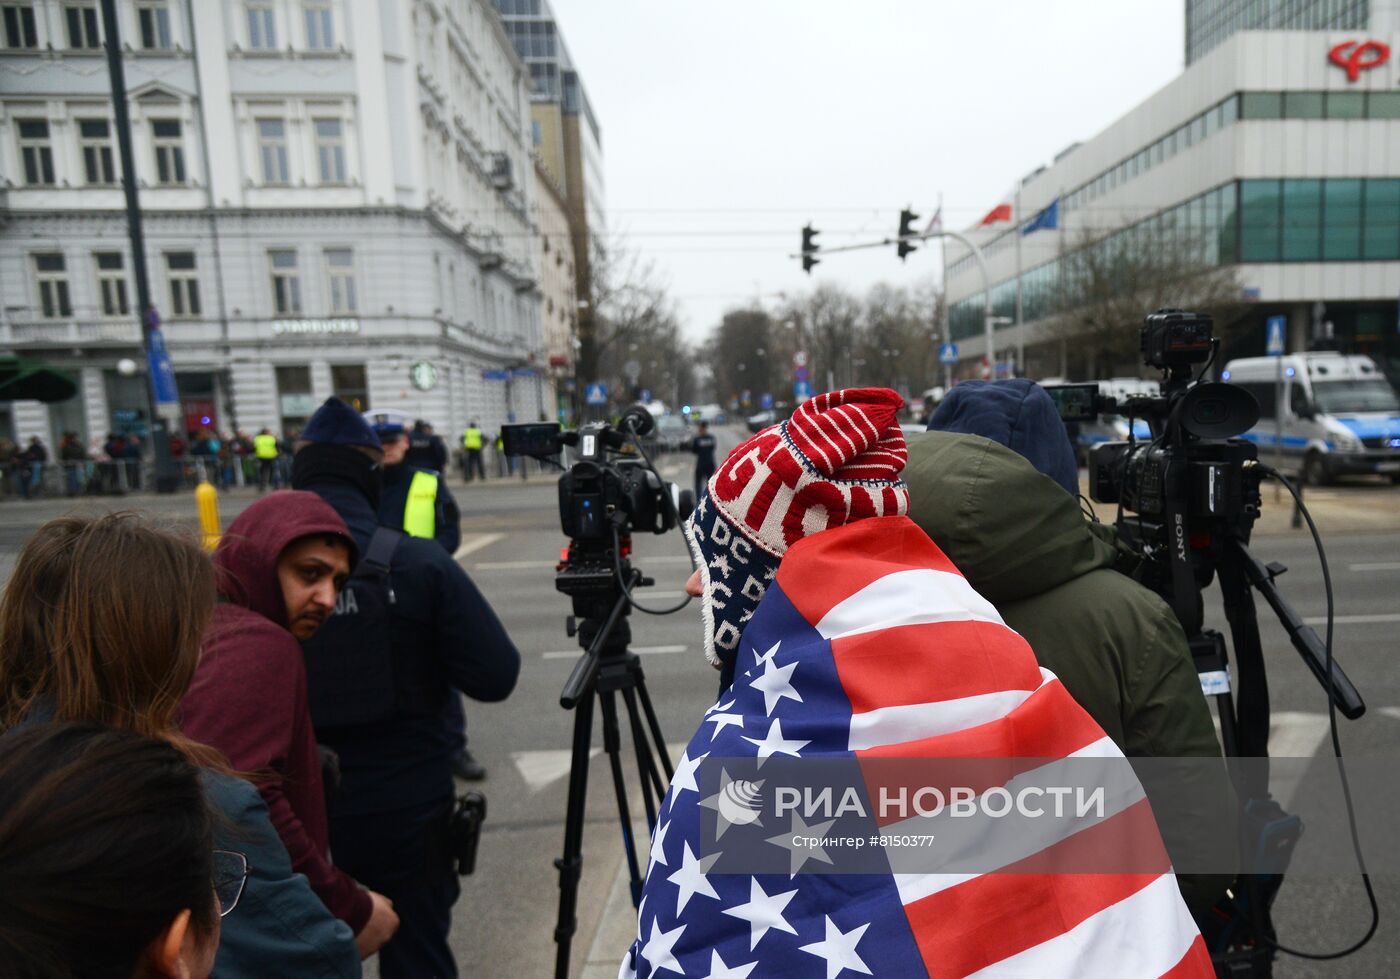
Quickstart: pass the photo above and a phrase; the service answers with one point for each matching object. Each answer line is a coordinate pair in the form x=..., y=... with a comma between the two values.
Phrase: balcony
x=70, y=333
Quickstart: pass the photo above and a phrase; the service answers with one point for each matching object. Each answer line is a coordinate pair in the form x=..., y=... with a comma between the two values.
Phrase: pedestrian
x=265, y=450
x=107, y=859
x=425, y=449
x=418, y=502
x=473, y=440
x=114, y=470
x=74, y=459
x=35, y=458
x=73, y=589
x=280, y=567
x=412, y=616
x=132, y=456
x=995, y=485
x=9, y=465
x=848, y=633
x=703, y=445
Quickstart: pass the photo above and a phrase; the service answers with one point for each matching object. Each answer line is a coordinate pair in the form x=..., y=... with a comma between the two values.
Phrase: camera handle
x=606, y=669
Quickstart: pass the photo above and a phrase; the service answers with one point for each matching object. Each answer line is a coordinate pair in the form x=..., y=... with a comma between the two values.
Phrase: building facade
x=1210, y=22
x=1269, y=155
x=336, y=198
x=555, y=261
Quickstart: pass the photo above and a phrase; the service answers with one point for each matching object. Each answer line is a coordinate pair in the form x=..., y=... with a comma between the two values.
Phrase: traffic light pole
x=988, y=319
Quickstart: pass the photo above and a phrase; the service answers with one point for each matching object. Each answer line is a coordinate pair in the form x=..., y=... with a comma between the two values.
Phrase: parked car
x=671, y=433
x=1335, y=415
x=758, y=422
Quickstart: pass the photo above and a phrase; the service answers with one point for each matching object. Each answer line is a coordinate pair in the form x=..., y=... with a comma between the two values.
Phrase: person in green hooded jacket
x=1020, y=538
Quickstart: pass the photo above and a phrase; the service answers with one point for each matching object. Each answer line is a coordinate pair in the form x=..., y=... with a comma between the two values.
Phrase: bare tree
x=1108, y=284
x=743, y=357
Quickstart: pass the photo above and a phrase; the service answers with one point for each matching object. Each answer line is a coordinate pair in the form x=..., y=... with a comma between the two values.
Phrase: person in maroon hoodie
x=280, y=567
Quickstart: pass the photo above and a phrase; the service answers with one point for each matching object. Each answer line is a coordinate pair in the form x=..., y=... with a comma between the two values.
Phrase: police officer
x=426, y=450
x=422, y=624
x=265, y=449
x=703, y=445
x=473, y=440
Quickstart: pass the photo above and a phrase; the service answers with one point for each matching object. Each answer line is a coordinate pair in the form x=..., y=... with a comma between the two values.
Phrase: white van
x=1110, y=427
x=1338, y=414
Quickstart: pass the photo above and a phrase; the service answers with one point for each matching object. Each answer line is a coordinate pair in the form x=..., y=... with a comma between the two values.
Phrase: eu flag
x=1048, y=218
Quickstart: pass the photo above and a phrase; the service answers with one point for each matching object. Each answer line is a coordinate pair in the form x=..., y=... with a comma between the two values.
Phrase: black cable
x=617, y=570
x=1336, y=744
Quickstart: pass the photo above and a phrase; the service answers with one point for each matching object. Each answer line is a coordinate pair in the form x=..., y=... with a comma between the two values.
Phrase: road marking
x=537, y=565
x=1292, y=734
x=540, y=768
x=485, y=540
x=1353, y=619
x=640, y=650
x=1382, y=566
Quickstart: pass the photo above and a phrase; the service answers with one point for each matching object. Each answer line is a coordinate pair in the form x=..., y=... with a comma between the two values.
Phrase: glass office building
x=1210, y=22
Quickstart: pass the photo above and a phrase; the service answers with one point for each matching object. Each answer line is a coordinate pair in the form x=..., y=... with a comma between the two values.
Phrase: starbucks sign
x=423, y=375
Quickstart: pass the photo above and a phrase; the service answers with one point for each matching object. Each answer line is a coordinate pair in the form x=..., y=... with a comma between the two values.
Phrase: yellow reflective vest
x=265, y=446
x=472, y=439
x=420, y=510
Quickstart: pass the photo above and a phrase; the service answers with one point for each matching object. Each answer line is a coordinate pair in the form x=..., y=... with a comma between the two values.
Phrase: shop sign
x=423, y=375
x=314, y=327
x=1354, y=57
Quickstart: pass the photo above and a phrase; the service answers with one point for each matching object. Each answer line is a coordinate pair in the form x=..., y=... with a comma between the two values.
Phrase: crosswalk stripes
x=541, y=768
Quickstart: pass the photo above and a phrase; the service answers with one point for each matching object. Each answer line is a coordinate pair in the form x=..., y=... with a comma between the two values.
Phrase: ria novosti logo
x=1354, y=57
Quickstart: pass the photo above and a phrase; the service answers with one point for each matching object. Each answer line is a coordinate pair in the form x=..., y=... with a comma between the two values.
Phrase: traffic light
x=809, y=248
x=906, y=231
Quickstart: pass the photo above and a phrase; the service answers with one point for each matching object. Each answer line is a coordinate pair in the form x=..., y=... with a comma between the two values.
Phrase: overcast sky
x=728, y=124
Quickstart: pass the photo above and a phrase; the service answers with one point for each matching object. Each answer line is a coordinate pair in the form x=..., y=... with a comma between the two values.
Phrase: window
x=1346, y=105
x=111, y=283
x=262, y=29
x=35, y=152
x=1381, y=235
x=1302, y=105
x=1302, y=220
x=1341, y=229
x=153, y=17
x=1383, y=105
x=184, y=284
x=1261, y=105
x=320, y=31
x=286, y=286
x=93, y=135
x=1259, y=231
x=272, y=147
x=330, y=151
x=1230, y=110
x=340, y=279
x=51, y=273
x=19, y=25
x=349, y=384
x=170, y=152
x=81, y=20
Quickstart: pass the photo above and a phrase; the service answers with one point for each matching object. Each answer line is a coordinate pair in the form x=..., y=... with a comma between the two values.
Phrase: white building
x=335, y=193
x=1283, y=164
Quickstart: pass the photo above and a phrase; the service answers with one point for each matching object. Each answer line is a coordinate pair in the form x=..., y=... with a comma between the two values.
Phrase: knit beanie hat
x=837, y=459
x=336, y=423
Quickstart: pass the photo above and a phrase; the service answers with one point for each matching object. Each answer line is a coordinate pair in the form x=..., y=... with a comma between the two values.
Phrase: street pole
x=160, y=437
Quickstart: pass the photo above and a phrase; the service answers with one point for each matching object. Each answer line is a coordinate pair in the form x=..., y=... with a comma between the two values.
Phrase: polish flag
x=1002, y=212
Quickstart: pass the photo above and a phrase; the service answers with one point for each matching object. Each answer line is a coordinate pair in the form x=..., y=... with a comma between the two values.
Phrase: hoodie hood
x=1019, y=415
x=246, y=560
x=1010, y=530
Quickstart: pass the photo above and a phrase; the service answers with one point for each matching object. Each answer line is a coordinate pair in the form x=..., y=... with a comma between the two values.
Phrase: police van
x=1337, y=415
x=1111, y=426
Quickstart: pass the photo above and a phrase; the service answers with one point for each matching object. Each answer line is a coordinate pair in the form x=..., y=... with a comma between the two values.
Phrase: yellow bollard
x=206, y=498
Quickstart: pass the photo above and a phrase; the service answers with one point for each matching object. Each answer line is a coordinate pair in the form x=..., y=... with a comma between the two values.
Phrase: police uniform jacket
x=394, y=497
x=444, y=635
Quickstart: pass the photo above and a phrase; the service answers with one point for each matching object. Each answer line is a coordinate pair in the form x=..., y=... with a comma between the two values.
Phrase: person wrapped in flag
x=843, y=632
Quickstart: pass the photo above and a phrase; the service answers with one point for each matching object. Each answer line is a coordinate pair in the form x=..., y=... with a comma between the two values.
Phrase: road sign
x=1275, y=341
x=802, y=390
x=645, y=395
x=799, y=359
x=799, y=374
x=494, y=375
x=633, y=370
x=596, y=394
x=765, y=401
x=948, y=353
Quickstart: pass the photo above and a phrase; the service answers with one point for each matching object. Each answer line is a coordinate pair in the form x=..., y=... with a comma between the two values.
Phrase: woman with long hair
x=107, y=865
x=102, y=621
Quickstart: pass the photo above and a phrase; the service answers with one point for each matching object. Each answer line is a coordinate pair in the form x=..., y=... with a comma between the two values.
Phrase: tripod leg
x=570, y=864
x=612, y=744
x=646, y=763
x=654, y=725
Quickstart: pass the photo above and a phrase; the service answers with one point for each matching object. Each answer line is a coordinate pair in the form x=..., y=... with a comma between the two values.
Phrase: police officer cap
x=336, y=423
x=386, y=423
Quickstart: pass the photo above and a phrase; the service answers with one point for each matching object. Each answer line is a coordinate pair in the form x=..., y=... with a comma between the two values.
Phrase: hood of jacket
x=246, y=560
x=1010, y=530
x=1020, y=415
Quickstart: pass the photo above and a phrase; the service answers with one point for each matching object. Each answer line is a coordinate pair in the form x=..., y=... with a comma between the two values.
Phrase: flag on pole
x=1047, y=218
x=1002, y=212
x=935, y=223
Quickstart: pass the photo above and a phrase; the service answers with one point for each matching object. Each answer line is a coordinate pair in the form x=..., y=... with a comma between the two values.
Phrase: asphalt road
x=505, y=919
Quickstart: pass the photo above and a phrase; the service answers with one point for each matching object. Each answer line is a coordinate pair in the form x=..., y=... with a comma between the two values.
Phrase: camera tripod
x=606, y=669
x=1242, y=941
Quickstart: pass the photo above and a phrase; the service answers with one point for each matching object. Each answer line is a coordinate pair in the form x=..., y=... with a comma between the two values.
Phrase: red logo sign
x=1354, y=57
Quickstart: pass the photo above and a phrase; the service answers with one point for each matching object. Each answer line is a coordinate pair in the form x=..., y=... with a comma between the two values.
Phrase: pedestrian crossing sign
x=596, y=394
x=1275, y=342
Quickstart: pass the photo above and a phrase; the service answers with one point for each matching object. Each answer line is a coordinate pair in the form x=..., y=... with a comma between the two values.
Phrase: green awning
x=22, y=379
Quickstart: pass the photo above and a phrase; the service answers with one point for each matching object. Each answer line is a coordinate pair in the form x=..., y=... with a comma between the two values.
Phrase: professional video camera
x=1192, y=496
x=609, y=492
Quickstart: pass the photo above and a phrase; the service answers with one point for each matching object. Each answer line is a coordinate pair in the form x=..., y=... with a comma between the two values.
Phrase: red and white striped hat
x=837, y=459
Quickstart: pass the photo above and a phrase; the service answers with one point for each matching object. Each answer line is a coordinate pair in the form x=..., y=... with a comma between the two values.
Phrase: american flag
x=870, y=644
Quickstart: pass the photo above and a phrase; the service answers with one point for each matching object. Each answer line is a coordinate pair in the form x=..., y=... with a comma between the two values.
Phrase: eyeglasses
x=230, y=876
